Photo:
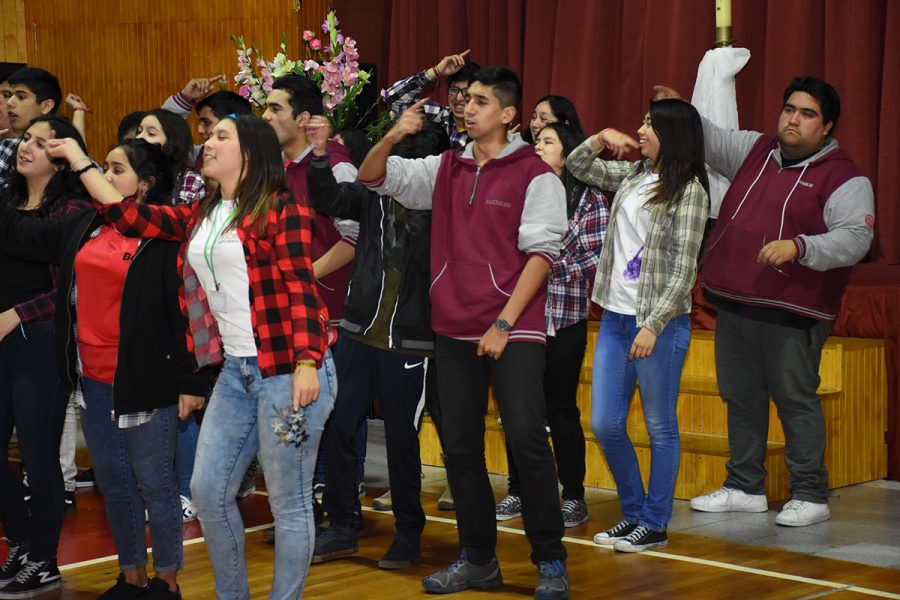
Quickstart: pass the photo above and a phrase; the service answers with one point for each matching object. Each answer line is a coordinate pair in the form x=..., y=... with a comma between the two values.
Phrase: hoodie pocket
x=468, y=293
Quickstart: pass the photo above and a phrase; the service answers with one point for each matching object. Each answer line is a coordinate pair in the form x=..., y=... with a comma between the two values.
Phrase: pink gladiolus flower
x=315, y=44
x=244, y=91
x=308, y=35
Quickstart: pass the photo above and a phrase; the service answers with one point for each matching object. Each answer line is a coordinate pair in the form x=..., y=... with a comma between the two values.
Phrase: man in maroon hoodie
x=498, y=216
x=797, y=216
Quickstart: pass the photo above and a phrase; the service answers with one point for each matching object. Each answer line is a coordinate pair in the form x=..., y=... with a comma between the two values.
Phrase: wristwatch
x=503, y=325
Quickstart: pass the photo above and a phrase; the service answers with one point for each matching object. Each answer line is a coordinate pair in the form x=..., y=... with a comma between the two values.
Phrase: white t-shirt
x=632, y=221
x=230, y=304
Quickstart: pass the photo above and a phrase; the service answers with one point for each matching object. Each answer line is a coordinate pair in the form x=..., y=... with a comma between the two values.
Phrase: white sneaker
x=800, y=513
x=727, y=499
x=383, y=502
x=188, y=510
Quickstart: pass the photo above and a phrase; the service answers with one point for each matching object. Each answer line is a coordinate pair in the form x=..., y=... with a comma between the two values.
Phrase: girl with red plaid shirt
x=252, y=305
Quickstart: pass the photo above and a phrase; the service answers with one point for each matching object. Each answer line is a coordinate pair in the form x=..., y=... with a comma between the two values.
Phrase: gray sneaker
x=509, y=508
x=553, y=583
x=574, y=512
x=463, y=575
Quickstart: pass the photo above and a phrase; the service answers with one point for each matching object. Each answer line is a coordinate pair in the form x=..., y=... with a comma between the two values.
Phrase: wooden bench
x=853, y=390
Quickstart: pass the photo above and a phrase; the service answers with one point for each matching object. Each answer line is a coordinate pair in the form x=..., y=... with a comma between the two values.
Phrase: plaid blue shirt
x=568, y=292
x=406, y=92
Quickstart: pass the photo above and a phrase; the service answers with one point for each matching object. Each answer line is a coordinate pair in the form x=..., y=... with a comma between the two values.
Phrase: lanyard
x=209, y=245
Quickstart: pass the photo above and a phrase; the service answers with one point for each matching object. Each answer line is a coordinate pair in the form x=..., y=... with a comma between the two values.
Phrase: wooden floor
x=690, y=567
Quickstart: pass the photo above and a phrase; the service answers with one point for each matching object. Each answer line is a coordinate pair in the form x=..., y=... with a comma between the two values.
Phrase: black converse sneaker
x=615, y=533
x=14, y=562
x=34, y=579
x=641, y=539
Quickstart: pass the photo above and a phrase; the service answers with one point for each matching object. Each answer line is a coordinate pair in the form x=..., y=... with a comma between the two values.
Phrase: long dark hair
x=681, y=157
x=563, y=110
x=569, y=138
x=153, y=165
x=63, y=186
x=179, y=143
x=262, y=172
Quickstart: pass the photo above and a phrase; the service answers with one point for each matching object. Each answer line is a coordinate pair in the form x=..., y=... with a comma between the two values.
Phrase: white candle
x=723, y=13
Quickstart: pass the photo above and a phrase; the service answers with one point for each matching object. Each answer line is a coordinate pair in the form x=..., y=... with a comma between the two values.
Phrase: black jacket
x=153, y=365
x=390, y=236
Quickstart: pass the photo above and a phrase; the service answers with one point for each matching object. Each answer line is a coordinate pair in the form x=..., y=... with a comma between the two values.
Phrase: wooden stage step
x=853, y=390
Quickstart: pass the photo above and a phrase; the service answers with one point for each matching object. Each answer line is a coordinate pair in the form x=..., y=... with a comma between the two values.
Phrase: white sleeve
x=409, y=181
x=544, y=221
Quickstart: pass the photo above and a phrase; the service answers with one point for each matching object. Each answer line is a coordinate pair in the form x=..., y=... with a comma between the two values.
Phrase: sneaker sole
x=753, y=509
x=633, y=549
x=245, y=493
x=569, y=524
x=320, y=558
x=32, y=593
x=444, y=505
x=84, y=484
x=382, y=507
x=821, y=519
x=508, y=517
x=608, y=541
x=469, y=585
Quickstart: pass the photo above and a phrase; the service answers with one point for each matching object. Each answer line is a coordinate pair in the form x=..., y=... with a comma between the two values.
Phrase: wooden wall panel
x=126, y=55
x=12, y=31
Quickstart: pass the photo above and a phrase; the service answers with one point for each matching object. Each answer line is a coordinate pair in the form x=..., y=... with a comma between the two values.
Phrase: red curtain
x=606, y=55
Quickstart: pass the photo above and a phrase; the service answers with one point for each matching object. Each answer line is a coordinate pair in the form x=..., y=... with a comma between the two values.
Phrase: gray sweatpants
x=753, y=361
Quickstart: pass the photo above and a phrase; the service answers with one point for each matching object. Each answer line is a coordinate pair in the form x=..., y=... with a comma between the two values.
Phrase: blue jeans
x=185, y=451
x=612, y=387
x=241, y=419
x=135, y=468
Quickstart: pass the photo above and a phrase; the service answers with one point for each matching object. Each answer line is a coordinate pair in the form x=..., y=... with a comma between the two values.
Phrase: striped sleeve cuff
x=183, y=101
x=800, y=246
x=548, y=258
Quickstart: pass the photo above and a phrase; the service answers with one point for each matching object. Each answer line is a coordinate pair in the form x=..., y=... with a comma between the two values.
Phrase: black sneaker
x=14, y=562
x=574, y=512
x=336, y=541
x=159, y=590
x=615, y=533
x=26, y=489
x=85, y=479
x=33, y=579
x=553, y=583
x=463, y=575
x=70, y=501
x=123, y=590
x=641, y=539
x=404, y=551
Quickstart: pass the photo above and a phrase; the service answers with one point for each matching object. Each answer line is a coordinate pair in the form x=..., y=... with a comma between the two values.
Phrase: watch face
x=502, y=325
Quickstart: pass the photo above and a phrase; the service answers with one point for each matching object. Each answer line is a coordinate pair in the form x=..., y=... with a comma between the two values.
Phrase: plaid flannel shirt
x=568, y=296
x=290, y=321
x=674, y=236
x=8, y=149
x=43, y=306
x=406, y=92
x=193, y=188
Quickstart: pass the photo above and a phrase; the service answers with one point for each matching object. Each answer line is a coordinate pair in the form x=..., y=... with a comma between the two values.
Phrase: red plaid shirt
x=290, y=321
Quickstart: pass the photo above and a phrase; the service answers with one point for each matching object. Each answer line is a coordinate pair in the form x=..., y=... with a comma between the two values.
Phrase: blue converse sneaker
x=553, y=583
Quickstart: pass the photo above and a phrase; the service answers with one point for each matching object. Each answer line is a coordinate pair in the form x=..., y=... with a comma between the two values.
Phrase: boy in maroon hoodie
x=498, y=216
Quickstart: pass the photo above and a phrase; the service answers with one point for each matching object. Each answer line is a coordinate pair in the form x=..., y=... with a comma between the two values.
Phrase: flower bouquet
x=332, y=62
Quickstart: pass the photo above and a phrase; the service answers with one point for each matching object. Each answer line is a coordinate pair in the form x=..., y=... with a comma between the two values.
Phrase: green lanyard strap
x=209, y=245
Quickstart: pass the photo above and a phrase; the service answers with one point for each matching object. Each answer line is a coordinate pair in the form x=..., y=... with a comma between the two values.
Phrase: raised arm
x=585, y=164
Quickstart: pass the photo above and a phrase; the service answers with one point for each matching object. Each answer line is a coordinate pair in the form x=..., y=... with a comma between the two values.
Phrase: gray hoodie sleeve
x=849, y=215
x=345, y=172
x=409, y=181
x=544, y=221
x=726, y=149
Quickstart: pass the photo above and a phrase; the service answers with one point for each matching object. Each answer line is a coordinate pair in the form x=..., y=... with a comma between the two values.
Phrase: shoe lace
x=723, y=491
x=797, y=505
x=459, y=564
x=13, y=555
x=510, y=502
x=639, y=532
x=28, y=570
x=620, y=526
x=551, y=568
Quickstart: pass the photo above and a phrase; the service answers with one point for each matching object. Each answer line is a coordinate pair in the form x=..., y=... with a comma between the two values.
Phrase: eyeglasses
x=453, y=91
